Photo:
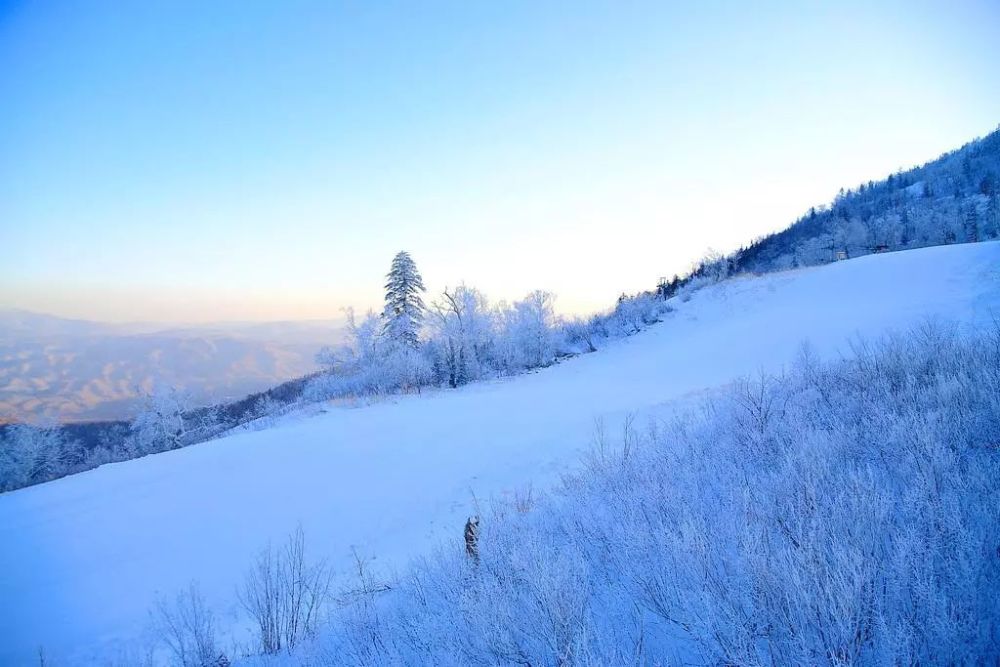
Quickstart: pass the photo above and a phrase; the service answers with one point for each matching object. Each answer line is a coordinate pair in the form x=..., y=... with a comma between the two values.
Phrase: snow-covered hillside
x=84, y=557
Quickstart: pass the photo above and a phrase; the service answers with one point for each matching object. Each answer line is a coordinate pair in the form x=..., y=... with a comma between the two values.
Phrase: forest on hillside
x=953, y=199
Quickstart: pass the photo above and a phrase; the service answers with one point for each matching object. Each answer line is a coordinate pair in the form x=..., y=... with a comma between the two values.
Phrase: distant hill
x=953, y=199
x=77, y=370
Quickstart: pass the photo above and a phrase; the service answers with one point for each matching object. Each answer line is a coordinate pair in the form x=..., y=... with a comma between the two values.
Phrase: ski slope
x=83, y=558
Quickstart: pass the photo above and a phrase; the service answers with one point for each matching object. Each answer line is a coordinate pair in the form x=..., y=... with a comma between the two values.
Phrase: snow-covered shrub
x=186, y=626
x=262, y=414
x=285, y=595
x=714, y=266
x=629, y=316
x=687, y=290
x=581, y=335
x=633, y=315
x=844, y=513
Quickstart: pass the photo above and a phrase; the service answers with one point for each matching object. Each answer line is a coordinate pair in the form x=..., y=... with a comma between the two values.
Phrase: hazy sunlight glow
x=230, y=160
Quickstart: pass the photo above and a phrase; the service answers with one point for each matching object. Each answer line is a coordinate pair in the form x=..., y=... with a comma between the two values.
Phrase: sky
x=243, y=160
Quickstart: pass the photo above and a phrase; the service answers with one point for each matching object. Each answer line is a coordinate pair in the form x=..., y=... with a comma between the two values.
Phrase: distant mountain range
x=78, y=370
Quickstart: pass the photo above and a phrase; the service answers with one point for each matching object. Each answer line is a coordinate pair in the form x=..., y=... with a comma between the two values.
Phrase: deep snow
x=84, y=557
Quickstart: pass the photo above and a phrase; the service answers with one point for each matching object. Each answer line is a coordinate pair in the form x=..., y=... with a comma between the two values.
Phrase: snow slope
x=84, y=557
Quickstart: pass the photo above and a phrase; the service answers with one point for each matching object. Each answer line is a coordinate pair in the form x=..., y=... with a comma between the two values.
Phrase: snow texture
x=85, y=557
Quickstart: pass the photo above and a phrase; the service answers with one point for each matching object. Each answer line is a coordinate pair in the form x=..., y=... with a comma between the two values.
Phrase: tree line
x=462, y=337
x=408, y=346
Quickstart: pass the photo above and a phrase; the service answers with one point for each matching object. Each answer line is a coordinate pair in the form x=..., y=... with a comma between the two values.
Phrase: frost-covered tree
x=462, y=329
x=714, y=266
x=160, y=424
x=971, y=228
x=404, y=309
x=369, y=362
x=26, y=454
x=186, y=626
x=466, y=339
x=851, y=236
x=16, y=459
x=31, y=454
x=991, y=226
x=360, y=346
x=527, y=333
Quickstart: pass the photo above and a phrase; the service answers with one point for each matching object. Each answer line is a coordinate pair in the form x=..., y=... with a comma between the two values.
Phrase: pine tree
x=404, y=309
x=972, y=225
x=904, y=223
x=992, y=226
x=987, y=185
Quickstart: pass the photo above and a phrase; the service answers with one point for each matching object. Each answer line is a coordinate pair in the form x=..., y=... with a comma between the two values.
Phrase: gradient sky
x=206, y=161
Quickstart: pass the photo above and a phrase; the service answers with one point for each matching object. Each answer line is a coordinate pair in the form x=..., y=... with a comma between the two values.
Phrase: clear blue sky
x=197, y=161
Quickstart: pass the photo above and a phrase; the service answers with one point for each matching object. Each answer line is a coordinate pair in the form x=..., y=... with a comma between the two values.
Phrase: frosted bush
x=844, y=513
x=186, y=627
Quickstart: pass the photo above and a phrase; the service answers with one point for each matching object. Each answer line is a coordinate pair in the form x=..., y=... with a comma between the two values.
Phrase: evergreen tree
x=904, y=223
x=404, y=309
x=987, y=185
x=972, y=225
x=992, y=226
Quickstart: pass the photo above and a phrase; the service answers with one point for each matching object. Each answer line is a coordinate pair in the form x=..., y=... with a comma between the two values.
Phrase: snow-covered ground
x=83, y=558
